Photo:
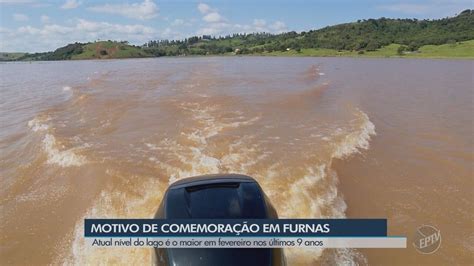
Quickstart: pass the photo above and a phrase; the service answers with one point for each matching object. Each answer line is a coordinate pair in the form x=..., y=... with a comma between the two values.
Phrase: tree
x=413, y=46
x=372, y=45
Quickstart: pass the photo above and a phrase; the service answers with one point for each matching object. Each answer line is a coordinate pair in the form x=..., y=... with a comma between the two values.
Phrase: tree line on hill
x=363, y=35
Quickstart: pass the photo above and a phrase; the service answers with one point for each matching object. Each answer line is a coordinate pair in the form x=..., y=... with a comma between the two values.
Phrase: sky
x=39, y=26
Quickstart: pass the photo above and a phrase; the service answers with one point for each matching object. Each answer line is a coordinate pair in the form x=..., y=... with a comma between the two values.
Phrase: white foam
x=141, y=202
x=63, y=158
x=152, y=146
x=313, y=193
x=194, y=158
x=67, y=88
x=327, y=201
x=38, y=124
x=356, y=140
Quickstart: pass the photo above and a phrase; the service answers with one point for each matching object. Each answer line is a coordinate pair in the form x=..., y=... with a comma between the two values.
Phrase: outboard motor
x=229, y=196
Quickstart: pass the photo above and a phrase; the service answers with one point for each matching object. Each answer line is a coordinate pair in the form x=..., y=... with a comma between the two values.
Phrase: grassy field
x=109, y=50
x=458, y=50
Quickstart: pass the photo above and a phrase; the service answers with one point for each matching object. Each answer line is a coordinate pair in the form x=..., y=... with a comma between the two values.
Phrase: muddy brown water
x=325, y=137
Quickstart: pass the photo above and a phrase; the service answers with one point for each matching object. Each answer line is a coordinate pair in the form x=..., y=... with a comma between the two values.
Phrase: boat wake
x=222, y=136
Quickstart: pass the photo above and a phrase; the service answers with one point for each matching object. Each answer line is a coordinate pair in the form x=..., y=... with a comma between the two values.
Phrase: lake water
x=325, y=137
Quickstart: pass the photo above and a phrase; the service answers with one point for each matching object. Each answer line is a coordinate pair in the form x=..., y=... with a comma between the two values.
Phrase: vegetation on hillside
x=10, y=56
x=95, y=50
x=360, y=36
x=109, y=49
x=447, y=37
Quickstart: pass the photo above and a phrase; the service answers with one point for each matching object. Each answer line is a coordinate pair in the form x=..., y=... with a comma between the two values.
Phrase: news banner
x=240, y=233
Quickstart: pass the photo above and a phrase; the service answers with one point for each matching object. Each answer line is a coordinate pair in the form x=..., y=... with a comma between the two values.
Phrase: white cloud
x=108, y=29
x=177, y=22
x=48, y=30
x=20, y=17
x=216, y=24
x=204, y=8
x=278, y=27
x=169, y=33
x=213, y=17
x=45, y=19
x=71, y=4
x=145, y=10
x=51, y=36
x=181, y=22
x=215, y=29
x=259, y=23
x=210, y=15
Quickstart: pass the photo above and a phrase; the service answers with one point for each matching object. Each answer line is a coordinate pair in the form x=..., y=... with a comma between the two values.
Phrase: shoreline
x=254, y=55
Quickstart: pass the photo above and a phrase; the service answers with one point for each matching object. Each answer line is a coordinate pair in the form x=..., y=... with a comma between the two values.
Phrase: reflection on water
x=105, y=138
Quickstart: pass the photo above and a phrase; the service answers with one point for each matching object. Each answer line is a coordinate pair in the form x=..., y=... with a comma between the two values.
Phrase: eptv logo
x=427, y=239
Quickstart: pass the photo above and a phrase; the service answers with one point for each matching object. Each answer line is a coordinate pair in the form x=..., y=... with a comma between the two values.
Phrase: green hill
x=10, y=56
x=95, y=50
x=109, y=49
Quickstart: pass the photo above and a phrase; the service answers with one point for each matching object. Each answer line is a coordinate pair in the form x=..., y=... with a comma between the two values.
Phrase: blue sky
x=35, y=26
